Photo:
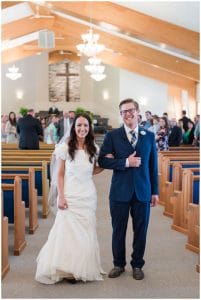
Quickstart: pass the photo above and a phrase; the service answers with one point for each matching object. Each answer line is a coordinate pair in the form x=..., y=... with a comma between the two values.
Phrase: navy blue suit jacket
x=142, y=180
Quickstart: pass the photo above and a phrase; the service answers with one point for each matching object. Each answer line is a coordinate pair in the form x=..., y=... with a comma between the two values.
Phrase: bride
x=72, y=249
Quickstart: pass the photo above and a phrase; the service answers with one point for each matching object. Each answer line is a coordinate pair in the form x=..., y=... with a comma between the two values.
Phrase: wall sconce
x=19, y=94
x=105, y=95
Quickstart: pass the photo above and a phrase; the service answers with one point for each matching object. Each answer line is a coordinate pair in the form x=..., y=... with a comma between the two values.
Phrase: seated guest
x=162, y=135
x=175, y=134
x=10, y=129
x=53, y=110
x=188, y=135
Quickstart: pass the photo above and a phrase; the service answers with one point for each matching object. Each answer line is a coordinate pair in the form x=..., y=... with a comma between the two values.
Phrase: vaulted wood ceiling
x=121, y=50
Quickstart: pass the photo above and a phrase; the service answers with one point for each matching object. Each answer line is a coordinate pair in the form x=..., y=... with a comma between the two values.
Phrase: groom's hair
x=129, y=100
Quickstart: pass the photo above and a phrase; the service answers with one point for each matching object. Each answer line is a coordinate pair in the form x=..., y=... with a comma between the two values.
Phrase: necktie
x=133, y=138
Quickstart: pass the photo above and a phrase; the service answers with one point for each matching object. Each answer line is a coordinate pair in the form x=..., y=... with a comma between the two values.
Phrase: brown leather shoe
x=138, y=274
x=116, y=272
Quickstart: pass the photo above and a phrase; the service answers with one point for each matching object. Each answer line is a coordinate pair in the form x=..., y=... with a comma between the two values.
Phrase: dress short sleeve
x=61, y=151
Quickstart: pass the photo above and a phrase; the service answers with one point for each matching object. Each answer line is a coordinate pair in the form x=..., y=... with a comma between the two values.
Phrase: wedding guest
x=185, y=120
x=175, y=134
x=188, y=135
x=10, y=129
x=4, y=119
x=29, y=130
x=148, y=116
x=51, y=136
x=162, y=135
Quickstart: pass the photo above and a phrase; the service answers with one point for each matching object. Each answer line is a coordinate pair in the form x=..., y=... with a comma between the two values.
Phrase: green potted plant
x=23, y=111
x=83, y=110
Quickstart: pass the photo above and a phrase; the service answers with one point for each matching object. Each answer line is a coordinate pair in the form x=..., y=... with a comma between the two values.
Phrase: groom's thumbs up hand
x=134, y=161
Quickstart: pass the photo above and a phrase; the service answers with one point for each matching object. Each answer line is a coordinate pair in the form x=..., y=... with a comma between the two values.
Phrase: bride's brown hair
x=89, y=139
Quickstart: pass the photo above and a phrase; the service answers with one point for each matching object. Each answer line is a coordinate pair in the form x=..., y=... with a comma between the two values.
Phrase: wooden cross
x=67, y=75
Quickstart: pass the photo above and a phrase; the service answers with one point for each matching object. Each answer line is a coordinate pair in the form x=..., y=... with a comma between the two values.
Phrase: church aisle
x=169, y=269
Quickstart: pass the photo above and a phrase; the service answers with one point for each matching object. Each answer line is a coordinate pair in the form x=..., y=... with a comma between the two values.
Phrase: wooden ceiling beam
x=5, y=4
x=138, y=67
x=15, y=54
x=133, y=23
x=119, y=61
x=25, y=26
x=55, y=57
x=131, y=49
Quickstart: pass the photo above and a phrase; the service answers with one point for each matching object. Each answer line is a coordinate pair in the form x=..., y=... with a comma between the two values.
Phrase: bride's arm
x=62, y=203
x=98, y=169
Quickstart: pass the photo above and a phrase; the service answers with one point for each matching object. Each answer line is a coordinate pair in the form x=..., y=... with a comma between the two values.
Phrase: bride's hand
x=62, y=203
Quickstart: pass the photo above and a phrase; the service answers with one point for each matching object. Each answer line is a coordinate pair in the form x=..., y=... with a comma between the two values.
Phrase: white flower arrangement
x=143, y=132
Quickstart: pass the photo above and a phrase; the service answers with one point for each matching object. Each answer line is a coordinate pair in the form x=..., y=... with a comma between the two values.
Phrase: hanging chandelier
x=98, y=77
x=90, y=46
x=95, y=68
x=13, y=73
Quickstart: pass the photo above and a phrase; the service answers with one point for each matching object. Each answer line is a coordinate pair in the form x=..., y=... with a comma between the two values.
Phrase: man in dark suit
x=175, y=136
x=29, y=130
x=185, y=120
x=130, y=151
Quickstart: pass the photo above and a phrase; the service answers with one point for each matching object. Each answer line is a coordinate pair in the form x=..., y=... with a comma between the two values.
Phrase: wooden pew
x=39, y=153
x=25, y=158
x=40, y=168
x=193, y=222
x=178, y=154
x=19, y=214
x=15, y=146
x=166, y=173
x=181, y=200
x=29, y=197
x=5, y=266
x=175, y=184
x=183, y=148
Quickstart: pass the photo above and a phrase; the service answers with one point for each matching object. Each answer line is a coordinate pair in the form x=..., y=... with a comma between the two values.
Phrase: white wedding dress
x=72, y=248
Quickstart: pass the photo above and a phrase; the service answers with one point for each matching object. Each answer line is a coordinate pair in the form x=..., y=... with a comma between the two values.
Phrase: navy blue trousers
x=140, y=212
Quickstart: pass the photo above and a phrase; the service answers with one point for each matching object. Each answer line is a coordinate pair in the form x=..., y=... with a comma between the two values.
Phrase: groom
x=130, y=151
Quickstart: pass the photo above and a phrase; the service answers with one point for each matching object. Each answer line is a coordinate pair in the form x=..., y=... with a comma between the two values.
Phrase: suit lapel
x=141, y=133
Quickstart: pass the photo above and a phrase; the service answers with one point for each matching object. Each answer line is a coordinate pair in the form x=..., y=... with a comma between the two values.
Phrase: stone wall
x=64, y=82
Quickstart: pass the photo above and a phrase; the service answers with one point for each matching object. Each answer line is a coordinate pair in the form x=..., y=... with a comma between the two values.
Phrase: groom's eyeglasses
x=130, y=111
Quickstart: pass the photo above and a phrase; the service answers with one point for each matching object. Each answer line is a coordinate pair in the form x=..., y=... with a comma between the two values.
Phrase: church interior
x=59, y=57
